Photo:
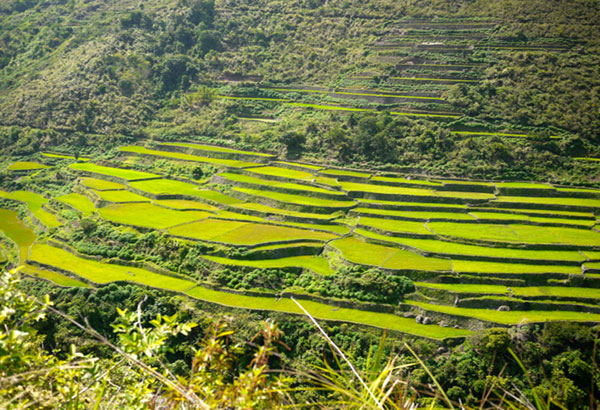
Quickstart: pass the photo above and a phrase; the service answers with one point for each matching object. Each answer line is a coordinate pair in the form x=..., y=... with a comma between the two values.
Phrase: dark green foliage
x=369, y=285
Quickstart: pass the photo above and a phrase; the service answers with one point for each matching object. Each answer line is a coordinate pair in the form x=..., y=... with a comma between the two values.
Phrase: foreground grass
x=362, y=253
x=125, y=174
x=316, y=264
x=149, y=216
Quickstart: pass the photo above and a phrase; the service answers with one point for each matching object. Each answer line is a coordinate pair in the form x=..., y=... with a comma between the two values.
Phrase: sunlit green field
x=149, y=215
x=187, y=157
x=26, y=166
x=245, y=233
x=79, y=202
x=125, y=174
x=34, y=203
x=100, y=184
x=316, y=264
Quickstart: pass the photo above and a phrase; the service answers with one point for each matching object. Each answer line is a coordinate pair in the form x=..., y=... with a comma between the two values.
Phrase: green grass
x=327, y=181
x=218, y=197
x=277, y=211
x=316, y=264
x=593, y=203
x=351, y=109
x=524, y=185
x=341, y=172
x=121, y=196
x=463, y=266
x=297, y=164
x=239, y=217
x=187, y=157
x=149, y=215
x=566, y=221
x=592, y=265
x=405, y=181
x=513, y=317
x=391, y=225
x=245, y=233
x=365, y=94
x=529, y=291
x=26, y=166
x=182, y=204
x=213, y=148
x=126, y=174
x=282, y=172
x=270, y=183
x=103, y=272
x=61, y=156
x=58, y=278
x=514, y=233
x=423, y=215
x=34, y=203
x=326, y=312
x=17, y=231
x=464, y=195
x=586, y=159
x=100, y=184
x=79, y=202
x=453, y=248
x=296, y=199
x=363, y=253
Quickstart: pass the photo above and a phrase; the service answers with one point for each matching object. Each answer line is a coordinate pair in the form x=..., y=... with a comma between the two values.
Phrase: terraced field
x=470, y=246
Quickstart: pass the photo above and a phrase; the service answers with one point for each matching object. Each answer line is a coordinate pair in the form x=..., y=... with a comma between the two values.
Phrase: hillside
x=97, y=72
x=423, y=177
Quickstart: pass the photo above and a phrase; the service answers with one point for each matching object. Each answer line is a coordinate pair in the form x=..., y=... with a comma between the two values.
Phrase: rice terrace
x=472, y=248
x=328, y=204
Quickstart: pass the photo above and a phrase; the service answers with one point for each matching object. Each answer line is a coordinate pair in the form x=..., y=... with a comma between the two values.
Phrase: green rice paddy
x=295, y=199
x=184, y=205
x=17, y=232
x=593, y=203
x=297, y=164
x=463, y=266
x=398, y=180
x=58, y=278
x=125, y=174
x=218, y=162
x=148, y=215
x=277, y=184
x=344, y=173
x=422, y=215
x=26, y=166
x=120, y=196
x=363, y=253
x=513, y=317
x=278, y=211
x=214, y=148
x=100, y=184
x=282, y=172
x=514, y=233
x=34, y=203
x=62, y=156
x=396, y=226
x=245, y=233
x=79, y=202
